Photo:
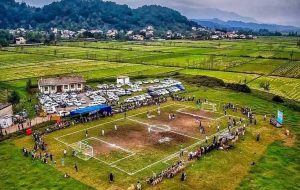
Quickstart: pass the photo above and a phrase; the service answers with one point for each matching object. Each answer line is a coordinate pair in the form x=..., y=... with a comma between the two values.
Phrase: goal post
x=83, y=150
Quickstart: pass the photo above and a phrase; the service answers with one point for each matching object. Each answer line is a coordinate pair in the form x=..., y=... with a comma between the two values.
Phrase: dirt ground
x=137, y=138
x=186, y=124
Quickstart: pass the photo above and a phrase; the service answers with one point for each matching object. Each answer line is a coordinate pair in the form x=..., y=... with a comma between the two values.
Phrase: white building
x=123, y=80
x=6, y=114
x=62, y=84
x=20, y=41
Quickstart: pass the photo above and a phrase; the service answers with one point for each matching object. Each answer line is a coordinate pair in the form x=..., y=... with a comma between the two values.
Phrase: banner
x=279, y=117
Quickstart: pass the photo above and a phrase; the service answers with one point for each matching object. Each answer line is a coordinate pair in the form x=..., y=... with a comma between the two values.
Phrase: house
x=6, y=114
x=137, y=37
x=111, y=33
x=123, y=80
x=20, y=41
x=214, y=37
x=61, y=84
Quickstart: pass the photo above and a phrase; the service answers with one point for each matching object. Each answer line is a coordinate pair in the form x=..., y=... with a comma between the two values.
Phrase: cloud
x=266, y=11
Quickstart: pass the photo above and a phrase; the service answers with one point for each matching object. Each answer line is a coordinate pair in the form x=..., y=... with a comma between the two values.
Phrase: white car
x=73, y=94
x=69, y=103
x=63, y=113
x=51, y=110
x=77, y=103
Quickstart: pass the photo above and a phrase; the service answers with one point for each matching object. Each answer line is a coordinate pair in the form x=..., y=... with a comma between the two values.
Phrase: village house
x=111, y=33
x=122, y=80
x=20, y=41
x=61, y=84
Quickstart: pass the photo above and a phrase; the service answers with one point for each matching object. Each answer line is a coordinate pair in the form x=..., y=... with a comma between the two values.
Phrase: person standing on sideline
x=257, y=137
x=183, y=176
x=218, y=128
x=62, y=161
x=116, y=128
x=139, y=186
x=65, y=152
x=86, y=133
x=206, y=139
x=111, y=178
x=76, y=167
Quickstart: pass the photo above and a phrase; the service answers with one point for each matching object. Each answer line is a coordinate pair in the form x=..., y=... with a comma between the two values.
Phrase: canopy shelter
x=101, y=108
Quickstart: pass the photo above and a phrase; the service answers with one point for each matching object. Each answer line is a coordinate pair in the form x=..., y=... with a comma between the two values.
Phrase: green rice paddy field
x=268, y=60
x=272, y=60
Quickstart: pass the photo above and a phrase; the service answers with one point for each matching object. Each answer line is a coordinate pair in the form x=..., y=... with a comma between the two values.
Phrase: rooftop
x=2, y=106
x=60, y=81
x=122, y=77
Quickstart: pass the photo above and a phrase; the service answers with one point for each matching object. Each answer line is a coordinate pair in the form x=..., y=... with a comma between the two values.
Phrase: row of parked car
x=60, y=100
x=166, y=87
x=107, y=93
x=140, y=98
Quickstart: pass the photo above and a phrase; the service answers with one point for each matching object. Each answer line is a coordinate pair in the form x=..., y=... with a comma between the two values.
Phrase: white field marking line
x=180, y=111
x=111, y=144
x=168, y=128
x=186, y=106
x=194, y=115
x=111, y=122
x=114, y=162
x=147, y=124
x=68, y=145
x=122, y=170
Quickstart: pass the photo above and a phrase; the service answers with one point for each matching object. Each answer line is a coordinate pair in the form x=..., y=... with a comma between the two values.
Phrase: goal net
x=83, y=150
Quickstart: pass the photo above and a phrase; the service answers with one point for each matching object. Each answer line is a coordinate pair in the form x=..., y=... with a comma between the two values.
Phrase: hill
x=234, y=25
x=90, y=14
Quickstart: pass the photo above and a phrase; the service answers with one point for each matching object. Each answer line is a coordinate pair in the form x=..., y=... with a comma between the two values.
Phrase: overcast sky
x=285, y=12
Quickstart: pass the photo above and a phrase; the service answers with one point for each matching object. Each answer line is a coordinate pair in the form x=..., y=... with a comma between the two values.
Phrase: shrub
x=277, y=99
x=14, y=98
x=238, y=87
x=203, y=81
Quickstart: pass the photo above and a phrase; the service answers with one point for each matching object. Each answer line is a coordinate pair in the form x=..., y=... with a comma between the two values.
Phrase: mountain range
x=90, y=14
x=237, y=25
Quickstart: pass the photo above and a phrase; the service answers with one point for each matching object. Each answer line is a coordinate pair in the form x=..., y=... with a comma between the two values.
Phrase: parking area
x=134, y=92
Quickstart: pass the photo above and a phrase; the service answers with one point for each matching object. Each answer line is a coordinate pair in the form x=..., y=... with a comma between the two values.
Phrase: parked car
x=63, y=113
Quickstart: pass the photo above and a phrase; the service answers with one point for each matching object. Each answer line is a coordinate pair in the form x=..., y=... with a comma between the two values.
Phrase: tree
x=5, y=37
x=14, y=98
x=28, y=85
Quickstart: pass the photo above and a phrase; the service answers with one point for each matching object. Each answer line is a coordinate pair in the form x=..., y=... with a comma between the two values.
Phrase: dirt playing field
x=135, y=136
x=187, y=124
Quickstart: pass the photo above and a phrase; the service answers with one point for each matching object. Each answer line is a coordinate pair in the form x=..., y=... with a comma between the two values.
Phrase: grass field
x=131, y=152
x=218, y=170
x=245, y=59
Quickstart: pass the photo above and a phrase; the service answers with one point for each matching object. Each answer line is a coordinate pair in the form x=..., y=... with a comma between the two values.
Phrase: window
x=79, y=85
x=52, y=87
x=66, y=87
x=72, y=86
x=46, y=88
